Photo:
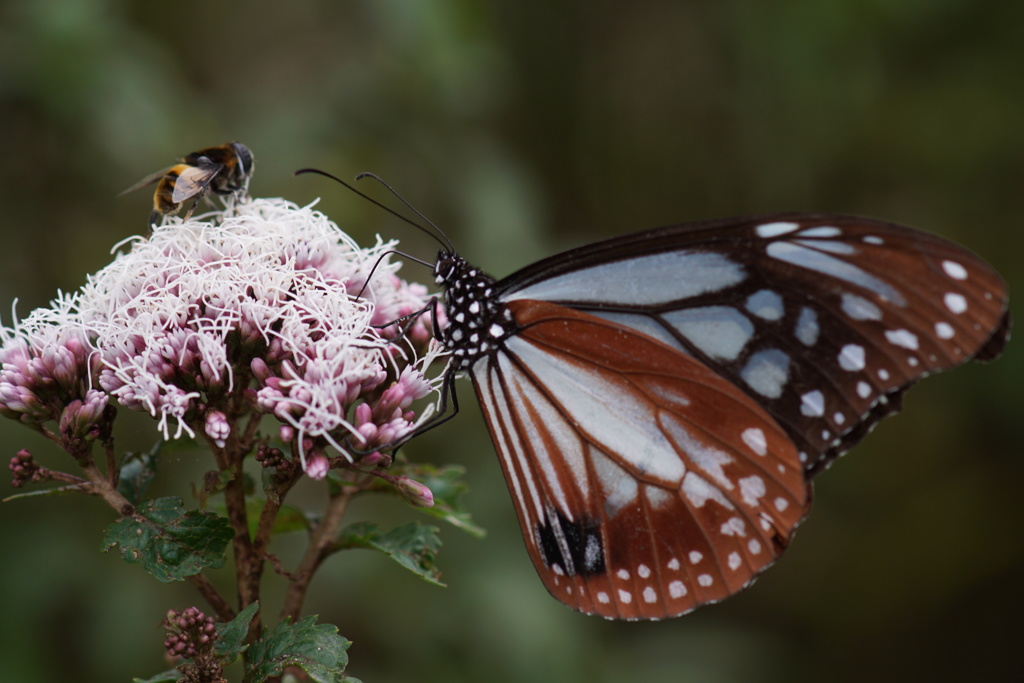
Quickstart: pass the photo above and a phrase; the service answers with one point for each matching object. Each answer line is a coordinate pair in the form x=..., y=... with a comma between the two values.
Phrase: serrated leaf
x=413, y=545
x=137, y=471
x=231, y=634
x=315, y=648
x=170, y=543
x=165, y=677
x=448, y=487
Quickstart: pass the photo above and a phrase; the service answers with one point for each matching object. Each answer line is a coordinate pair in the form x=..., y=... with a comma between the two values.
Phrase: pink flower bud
x=415, y=492
x=217, y=427
x=317, y=466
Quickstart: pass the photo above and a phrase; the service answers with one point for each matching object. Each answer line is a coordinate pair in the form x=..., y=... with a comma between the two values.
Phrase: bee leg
x=191, y=209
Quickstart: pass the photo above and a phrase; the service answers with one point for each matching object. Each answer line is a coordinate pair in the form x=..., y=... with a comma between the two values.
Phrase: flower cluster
x=265, y=308
x=188, y=632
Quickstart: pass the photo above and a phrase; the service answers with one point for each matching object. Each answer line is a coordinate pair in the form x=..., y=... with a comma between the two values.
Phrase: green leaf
x=165, y=677
x=170, y=543
x=137, y=472
x=60, y=490
x=315, y=648
x=448, y=488
x=413, y=545
x=231, y=635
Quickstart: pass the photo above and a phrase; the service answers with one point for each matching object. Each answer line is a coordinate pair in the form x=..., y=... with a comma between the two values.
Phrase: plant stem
x=212, y=596
x=322, y=538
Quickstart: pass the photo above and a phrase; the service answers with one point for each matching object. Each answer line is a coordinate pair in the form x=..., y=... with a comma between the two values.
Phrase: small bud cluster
x=25, y=469
x=255, y=309
x=270, y=457
x=191, y=636
x=189, y=633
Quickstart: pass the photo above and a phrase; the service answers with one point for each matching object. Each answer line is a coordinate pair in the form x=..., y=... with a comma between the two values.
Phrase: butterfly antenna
x=446, y=244
x=374, y=176
x=381, y=258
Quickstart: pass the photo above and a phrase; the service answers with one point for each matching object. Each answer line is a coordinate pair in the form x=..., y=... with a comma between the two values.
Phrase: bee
x=224, y=170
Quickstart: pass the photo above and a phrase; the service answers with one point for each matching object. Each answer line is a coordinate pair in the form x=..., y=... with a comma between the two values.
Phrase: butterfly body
x=660, y=402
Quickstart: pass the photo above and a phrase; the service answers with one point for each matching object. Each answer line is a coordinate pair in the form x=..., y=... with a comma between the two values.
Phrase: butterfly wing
x=824, y=320
x=645, y=484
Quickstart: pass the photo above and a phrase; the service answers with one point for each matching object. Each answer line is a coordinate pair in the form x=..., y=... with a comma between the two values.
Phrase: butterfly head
x=478, y=321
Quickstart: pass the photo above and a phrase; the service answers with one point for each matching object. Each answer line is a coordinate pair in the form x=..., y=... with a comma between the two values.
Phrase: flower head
x=251, y=309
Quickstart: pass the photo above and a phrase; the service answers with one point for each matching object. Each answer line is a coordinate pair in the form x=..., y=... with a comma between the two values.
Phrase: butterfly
x=661, y=402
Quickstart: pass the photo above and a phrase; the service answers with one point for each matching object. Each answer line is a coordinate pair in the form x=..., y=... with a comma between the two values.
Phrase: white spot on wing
x=677, y=589
x=643, y=571
x=822, y=231
x=699, y=491
x=752, y=488
x=625, y=597
x=954, y=270
x=755, y=440
x=768, y=230
x=657, y=496
x=734, y=526
x=863, y=389
x=673, y=564
x=705, y=580
x=851, y=357
x=766, y=304
x=944, y=330
x=650, y=596
x=603, y=598
x=812, y=404
x=955, y=302
x=734, y=560
x=904, y=338
x=807, y=329
x=721, y=332
x=859, y=308
x=766, y=372
x=695, y=556
x=592, y=553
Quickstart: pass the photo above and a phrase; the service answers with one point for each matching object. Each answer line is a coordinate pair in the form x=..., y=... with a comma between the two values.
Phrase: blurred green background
x=524, y=128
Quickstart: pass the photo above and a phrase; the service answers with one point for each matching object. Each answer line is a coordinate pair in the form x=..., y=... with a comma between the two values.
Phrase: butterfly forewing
x=824, y=320
x=646, y=484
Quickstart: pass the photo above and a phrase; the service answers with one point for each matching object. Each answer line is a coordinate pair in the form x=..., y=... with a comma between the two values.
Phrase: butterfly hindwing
x=646, y=484
x=824, y=320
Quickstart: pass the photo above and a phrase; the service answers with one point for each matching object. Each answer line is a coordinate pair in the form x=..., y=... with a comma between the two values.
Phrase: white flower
x=187, y=324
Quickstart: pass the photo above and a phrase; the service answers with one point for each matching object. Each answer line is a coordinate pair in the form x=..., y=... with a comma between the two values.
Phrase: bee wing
x=148, y=180
x=194, y=180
